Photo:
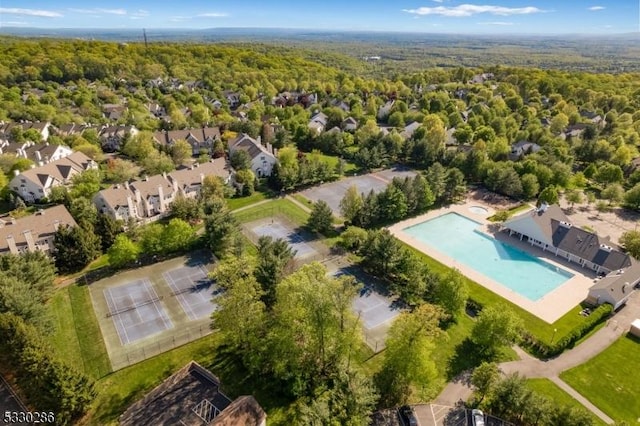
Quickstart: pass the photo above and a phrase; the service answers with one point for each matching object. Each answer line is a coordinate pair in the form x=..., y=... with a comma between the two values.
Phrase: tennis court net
x=124, y=309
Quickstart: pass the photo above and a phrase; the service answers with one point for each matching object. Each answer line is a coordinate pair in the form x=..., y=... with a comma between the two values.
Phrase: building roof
x=526, y=146
x=59, y=170
x=42, y=224
x=248, y=144
x=200, y=135
x=192, y=396
x=588, y=246
x=116, y=196
x=542, y=217
x=244, y=411
x=148, y=186
x=192, y=175
x=109, y=131
x=619, y=283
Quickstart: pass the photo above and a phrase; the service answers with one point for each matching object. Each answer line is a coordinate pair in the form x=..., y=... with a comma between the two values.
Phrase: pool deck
x=550, y=307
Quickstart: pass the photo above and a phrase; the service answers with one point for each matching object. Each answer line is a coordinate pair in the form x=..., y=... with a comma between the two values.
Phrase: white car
x=478, y=417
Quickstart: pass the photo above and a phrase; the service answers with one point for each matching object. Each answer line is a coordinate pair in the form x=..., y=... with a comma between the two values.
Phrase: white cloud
x=464, y=10
x=30, y=12
x=213, y=15
x=99, y=10
x=13, y=23
x=500, y=23
x=140, y=13
x=437, y=1
x=594, y=8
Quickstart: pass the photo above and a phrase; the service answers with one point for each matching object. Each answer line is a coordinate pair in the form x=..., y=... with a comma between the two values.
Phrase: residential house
x=36, y=183
x=549, y=229
x=574, y=131
x=156, y=110
x=409, y=129
x=111, y=137
x=32, y=233
x=119, y=202
x=113, y=112
x=154, y=194
x=157, y=82
x=349, y=124
x=189, y=179
x=262, y=158
x=385, y=110
x=201, y=140
x=193, y=396
x=71, y=129
x=43, y=128
x=318, y=122
x=522, y=148
x=341, y=104
x=594, y=118
x=233, y=98
x=39, y=153
x=481, y=78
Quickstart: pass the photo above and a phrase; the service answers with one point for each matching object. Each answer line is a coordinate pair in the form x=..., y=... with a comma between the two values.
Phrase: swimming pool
x=457, y=237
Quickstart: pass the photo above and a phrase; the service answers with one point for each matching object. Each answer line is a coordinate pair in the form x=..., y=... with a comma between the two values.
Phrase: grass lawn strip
x=236, y=203
x=611, y=380
x=77, y=337
x=273, y=208
x=551, y=391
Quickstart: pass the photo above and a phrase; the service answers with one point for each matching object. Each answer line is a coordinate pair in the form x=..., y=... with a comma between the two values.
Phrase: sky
x=547, y=17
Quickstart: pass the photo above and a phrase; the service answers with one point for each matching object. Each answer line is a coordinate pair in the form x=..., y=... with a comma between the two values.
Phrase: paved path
x=250, y=206
x=531, y=367
x=298, y=203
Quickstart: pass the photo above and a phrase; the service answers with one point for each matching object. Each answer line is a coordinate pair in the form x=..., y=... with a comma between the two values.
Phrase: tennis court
x=373, y=308
x=136, y=310
x=194, y=290
x=276, y=229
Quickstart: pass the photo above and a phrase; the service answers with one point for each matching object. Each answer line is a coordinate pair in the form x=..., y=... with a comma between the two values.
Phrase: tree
x=181, y=151
x=19, y=298
x=241, y=318
x=275, y=258
x=630, y=240
x=548, y=195
x=240, y=160
x=107, y=228
x=84, y=212
x=383, y=253
x=408, y=365
x=609, y=173
x=351, y=204
x=530, y=186
x=315, y=332
x=86, y=184
x=157, y=163
x=212, y=187
x=574, y=197
x=177, y=235
x=484, y=378
x=150, y=239
x=455, y=186
x=450, y=292
x=246, y=178
x=392, y=204
x=119, y=170
x=74, y=248
x=123, y=251
x=321, y=217
x=353, y=238
x=437, y=180
x=186, y=208
x=614, y=193
x=632, y=197
x=220, y=227
x=494, y=329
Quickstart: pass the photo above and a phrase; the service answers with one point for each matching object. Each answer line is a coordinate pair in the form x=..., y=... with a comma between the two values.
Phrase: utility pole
x=144, y=34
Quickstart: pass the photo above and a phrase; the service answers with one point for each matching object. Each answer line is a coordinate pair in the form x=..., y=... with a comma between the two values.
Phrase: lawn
x=77, y=337
x=611, y=380
x=239, y=202
x=551, y=391
x=280, y=206
x=537, y=327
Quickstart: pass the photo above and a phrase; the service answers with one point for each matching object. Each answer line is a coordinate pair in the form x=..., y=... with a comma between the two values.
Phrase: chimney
x=12, y=244
x=56, y=225
x=29, y=238
x=161, y=199
x=16, y=172
x=38, y=156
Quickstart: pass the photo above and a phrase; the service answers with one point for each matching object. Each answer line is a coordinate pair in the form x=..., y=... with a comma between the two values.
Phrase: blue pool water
x=457, y=237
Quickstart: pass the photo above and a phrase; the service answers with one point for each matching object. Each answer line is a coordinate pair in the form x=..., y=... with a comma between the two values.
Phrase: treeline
x=49, y=383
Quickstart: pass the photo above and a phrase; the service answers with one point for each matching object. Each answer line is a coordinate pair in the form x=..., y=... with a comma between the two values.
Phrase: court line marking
x=124, y=330
x=183, y=303
x=161, y=314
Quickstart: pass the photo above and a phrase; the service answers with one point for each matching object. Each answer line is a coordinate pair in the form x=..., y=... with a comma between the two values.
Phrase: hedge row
x=545, y=350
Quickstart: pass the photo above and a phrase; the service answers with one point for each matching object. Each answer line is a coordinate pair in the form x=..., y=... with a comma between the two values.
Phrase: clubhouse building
x=548, y=228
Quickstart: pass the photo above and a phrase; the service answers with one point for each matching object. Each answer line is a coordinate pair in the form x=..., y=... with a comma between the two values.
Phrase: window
x=262, y=158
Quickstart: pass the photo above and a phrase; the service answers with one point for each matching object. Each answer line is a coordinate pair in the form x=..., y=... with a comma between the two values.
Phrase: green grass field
x=77, y=337
x=611, y=380
x=236, y=203
x=281, y=206
x=537, y=327
x=550, y=390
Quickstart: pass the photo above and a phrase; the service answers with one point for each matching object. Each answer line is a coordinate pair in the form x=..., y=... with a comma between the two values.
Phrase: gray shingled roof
x=41, y=224
x=588, y=245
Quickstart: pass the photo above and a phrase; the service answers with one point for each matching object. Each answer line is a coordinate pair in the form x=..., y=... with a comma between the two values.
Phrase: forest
x=529, y=133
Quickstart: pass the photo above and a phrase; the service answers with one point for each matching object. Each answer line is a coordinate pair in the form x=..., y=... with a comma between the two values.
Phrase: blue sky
x=442, y=16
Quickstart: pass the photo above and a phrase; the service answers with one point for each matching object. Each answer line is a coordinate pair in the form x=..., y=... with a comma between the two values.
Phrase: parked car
x=478, y=417
x=408, y=416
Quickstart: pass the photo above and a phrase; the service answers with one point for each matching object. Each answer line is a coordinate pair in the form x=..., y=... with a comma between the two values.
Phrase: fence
x=182, y=337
